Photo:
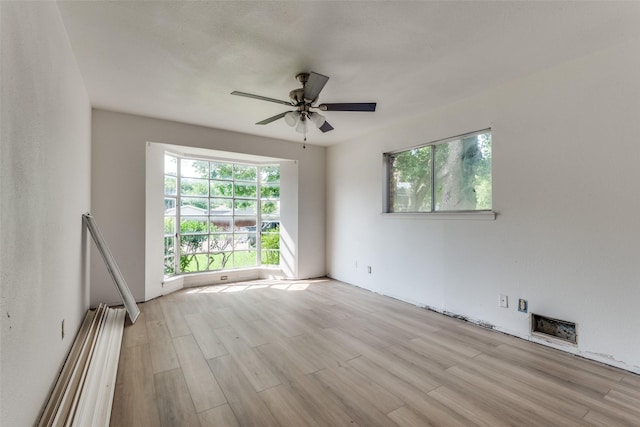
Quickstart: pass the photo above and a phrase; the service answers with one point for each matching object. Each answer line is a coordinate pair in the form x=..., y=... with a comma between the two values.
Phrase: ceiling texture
x=181, y=60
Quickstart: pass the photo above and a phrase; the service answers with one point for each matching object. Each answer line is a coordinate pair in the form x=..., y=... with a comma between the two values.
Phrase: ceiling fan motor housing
x=297, y=96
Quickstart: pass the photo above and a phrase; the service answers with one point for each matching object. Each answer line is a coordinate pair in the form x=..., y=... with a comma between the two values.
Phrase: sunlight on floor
x=283, y=285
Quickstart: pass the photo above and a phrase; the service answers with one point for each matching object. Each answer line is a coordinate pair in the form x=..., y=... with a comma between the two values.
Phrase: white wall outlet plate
x=504, y=301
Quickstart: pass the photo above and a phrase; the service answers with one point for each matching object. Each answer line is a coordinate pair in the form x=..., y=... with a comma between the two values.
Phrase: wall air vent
x=554, y=328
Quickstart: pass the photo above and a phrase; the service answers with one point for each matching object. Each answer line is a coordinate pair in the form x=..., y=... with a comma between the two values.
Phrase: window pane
x=243, y=241
x=252, y=240
x=170, y=184
x=270, y=208
x=270, y=191
x=270, y=257
x=245, y=173
x=169, y=225
x=220, y=223
x=245, y=259
x=193, y=225
x=245, y=207
x=221, y=188
x=220, y=260
x=410, y=181
x=270, y=174
x=220, y=242
x=191, y=256
x=168, y=246
x=246, y=223
x=483, y=185
x=194, y=187
x=170, y=165
x=194, y=168
x=245, y=190
x=270, y=247
x=169, y=206
x=221, y=170
x=169, y=268
x=194, y=206
x=221, y=206
x=463, y=174
x=194, y=262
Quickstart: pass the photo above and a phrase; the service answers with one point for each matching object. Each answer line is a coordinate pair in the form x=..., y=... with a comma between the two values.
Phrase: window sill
x=467, y=215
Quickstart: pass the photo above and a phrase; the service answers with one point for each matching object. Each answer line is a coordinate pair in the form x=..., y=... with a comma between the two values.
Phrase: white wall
x=566, y=156
x=119, y=157
x=44, y=190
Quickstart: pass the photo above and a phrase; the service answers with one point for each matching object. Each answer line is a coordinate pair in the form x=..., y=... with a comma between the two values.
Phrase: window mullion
x=432, y=167
x=178, y=238
x=258, y=218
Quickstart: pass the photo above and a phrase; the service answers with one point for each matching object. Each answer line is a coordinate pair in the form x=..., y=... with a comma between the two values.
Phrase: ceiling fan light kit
x=304, y=99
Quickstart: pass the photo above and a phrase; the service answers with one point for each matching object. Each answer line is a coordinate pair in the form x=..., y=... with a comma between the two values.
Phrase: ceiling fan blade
x=326, y=127
x=314, y=85
x=272, y=119
x=262, y=98
x=349, y=106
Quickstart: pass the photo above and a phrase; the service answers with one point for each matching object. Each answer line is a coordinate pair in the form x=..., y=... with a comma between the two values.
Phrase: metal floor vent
x=560, y=329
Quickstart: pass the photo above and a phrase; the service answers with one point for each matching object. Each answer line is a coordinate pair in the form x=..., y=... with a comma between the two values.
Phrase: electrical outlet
x=369, y=269
x=504, y=301
x=523, y=305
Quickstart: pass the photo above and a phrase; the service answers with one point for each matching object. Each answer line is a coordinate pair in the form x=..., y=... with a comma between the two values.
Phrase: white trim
x=463, y=215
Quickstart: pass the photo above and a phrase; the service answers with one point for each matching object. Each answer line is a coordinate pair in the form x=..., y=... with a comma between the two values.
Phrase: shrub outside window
x=451, y=175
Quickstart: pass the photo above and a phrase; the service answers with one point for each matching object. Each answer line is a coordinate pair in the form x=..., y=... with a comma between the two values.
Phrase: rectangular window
x=452, y=175
x=212, y=212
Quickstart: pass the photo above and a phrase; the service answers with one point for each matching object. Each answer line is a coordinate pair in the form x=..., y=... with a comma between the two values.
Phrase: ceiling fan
x=304, y=100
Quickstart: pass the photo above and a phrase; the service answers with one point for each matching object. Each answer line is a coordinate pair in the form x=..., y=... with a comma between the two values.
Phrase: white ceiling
x=180, y=60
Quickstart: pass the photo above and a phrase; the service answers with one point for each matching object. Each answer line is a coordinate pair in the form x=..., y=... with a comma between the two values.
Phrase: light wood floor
x=323, y=353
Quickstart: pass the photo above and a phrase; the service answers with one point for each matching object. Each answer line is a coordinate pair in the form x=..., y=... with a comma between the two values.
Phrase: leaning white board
x=129, y=302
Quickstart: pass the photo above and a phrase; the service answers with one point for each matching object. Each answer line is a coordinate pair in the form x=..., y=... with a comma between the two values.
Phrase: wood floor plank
x=248, y=407
x=325, y=407
x=567, y=372
x=324, y=348
x=283, y=406
x=383, y=399
x=157, y=330
x=385, y=379
x=152, y=310
x=632, y=380
x=469, y=407
x=404, y=370
x=221, y=416
x=625, y=397
x=358, y=406
x=203, y=387
x=513, y=399
x=255, y=369
x=284, y=355
x=597, y=418
x=134, y=402
x=202, y=330
x=163, y=355
x=174, y=403
x=242, y=327
x=136, y=332
x=174, y=319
